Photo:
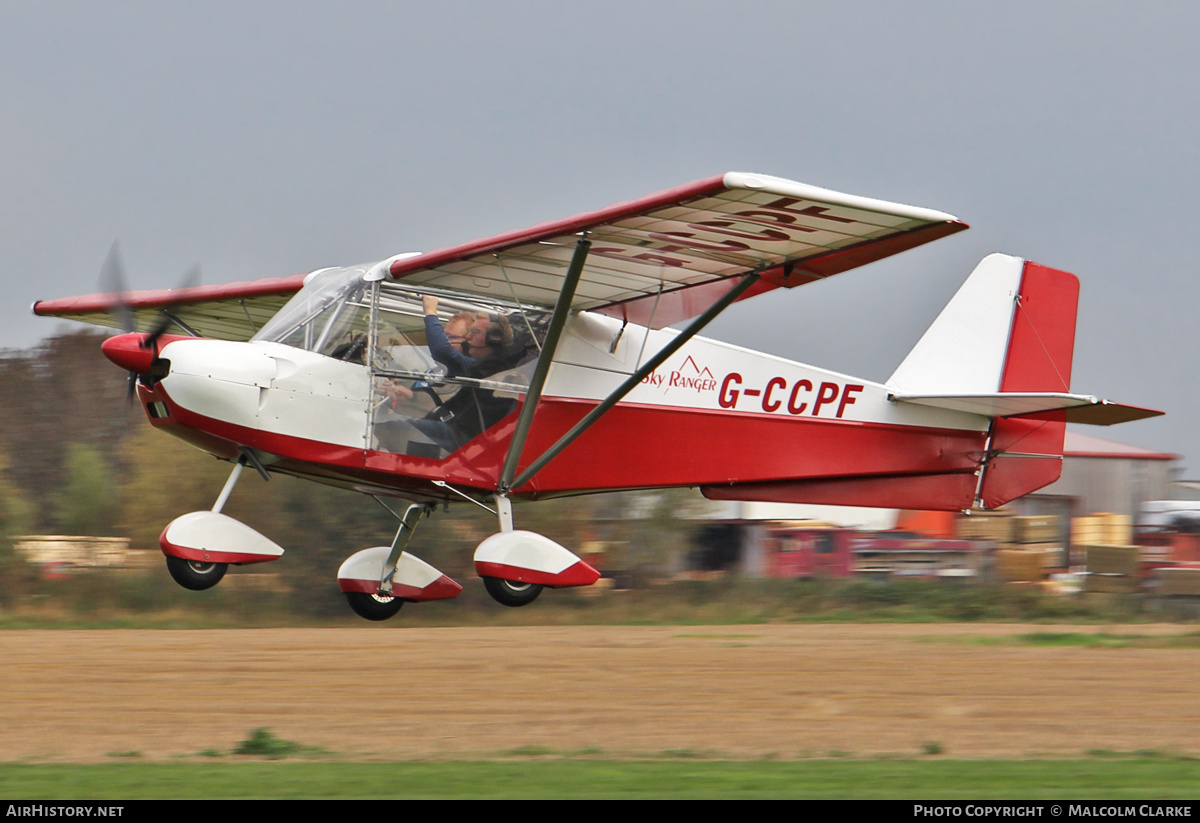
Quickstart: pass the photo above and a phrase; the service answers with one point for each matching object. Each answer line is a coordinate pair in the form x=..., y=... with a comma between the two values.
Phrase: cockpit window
x=458, y=373
x=439, y=379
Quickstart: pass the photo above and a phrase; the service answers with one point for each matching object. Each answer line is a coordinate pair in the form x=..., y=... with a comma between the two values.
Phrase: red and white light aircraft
x=569, y=381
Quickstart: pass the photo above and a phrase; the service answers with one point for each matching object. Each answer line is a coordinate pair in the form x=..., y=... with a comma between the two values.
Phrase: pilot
x=471, y=345
x=487, y=348
x=490, y=335
x=448, y=346
x=458, y=328
x=468, y=338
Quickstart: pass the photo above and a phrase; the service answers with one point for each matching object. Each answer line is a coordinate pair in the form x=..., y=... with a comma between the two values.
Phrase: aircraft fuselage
x=714, y=415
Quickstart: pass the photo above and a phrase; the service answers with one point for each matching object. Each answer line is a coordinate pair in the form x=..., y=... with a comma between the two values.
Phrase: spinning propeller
x=136, y=352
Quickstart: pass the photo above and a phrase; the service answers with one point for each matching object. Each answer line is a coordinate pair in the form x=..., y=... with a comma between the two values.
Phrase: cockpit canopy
x=347, y=314
x=435, y=385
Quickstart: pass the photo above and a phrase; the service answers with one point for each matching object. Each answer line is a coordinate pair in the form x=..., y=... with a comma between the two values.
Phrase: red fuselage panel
x=633, y=446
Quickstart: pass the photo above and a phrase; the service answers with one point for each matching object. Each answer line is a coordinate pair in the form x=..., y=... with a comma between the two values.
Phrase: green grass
x=680, y=776
x=262, y=742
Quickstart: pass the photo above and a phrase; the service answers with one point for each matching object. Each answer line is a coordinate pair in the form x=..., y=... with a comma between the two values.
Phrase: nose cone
x=129, y=352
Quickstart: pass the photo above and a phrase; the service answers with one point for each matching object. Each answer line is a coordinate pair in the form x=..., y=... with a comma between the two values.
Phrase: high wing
x=657, y=260
x=666, y=257
x=234, y=311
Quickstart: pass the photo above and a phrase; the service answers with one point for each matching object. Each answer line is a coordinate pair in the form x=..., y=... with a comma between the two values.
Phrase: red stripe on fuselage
x=633, y=446
x=641, y=445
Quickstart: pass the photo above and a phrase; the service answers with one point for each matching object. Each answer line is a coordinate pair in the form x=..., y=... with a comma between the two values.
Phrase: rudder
x=1026, y=452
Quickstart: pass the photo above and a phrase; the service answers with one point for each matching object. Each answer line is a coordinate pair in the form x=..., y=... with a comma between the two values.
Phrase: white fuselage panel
x=271, y=387
x=708, y=374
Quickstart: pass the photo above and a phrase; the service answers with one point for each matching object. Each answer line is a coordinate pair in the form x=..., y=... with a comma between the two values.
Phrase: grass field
x=746, y=690
x=1121, y=777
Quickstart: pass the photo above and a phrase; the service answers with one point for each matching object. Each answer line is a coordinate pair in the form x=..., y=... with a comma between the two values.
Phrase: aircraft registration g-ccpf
x=538, y=363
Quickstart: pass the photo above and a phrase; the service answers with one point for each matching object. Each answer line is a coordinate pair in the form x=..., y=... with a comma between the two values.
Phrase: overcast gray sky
x=262, y=139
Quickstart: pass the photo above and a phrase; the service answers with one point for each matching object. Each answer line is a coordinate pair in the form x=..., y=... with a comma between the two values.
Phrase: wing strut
x=618, y=393
x=562, y=309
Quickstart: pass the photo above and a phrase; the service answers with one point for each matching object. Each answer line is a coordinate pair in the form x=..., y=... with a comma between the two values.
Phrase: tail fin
x=1009, y=330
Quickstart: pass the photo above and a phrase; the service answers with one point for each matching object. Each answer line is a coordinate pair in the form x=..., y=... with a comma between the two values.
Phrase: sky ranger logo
x=688, y=377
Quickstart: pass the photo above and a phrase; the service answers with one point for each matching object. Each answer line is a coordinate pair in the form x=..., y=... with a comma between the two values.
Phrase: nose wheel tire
x=372, y=606
x=196, y=575
x=511, y=592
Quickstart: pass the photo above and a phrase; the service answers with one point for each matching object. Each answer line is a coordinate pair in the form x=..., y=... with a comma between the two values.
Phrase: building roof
x=1086, y=445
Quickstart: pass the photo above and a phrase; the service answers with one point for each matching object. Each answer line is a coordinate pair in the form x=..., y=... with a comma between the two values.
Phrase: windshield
x=339, y=314
x=323, y=315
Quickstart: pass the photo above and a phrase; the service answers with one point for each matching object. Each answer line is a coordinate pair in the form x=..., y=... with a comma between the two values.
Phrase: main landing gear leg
x=378, y=581
x=404, y=533
x=382, y=604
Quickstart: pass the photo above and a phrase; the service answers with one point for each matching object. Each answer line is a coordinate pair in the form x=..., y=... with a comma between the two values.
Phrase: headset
x=499, y=333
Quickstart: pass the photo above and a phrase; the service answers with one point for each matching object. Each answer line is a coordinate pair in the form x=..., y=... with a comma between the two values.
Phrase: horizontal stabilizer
x=1079, y=408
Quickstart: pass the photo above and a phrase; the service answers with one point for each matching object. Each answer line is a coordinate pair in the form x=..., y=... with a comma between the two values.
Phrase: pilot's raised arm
x=446, y=345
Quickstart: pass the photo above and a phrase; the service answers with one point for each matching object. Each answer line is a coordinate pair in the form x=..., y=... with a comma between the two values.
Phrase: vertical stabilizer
x=964, y=351
x=1009, y=328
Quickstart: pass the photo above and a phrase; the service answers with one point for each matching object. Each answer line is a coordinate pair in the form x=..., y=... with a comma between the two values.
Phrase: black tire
x=510, y=592
x=372, y=606
x=196, y=575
